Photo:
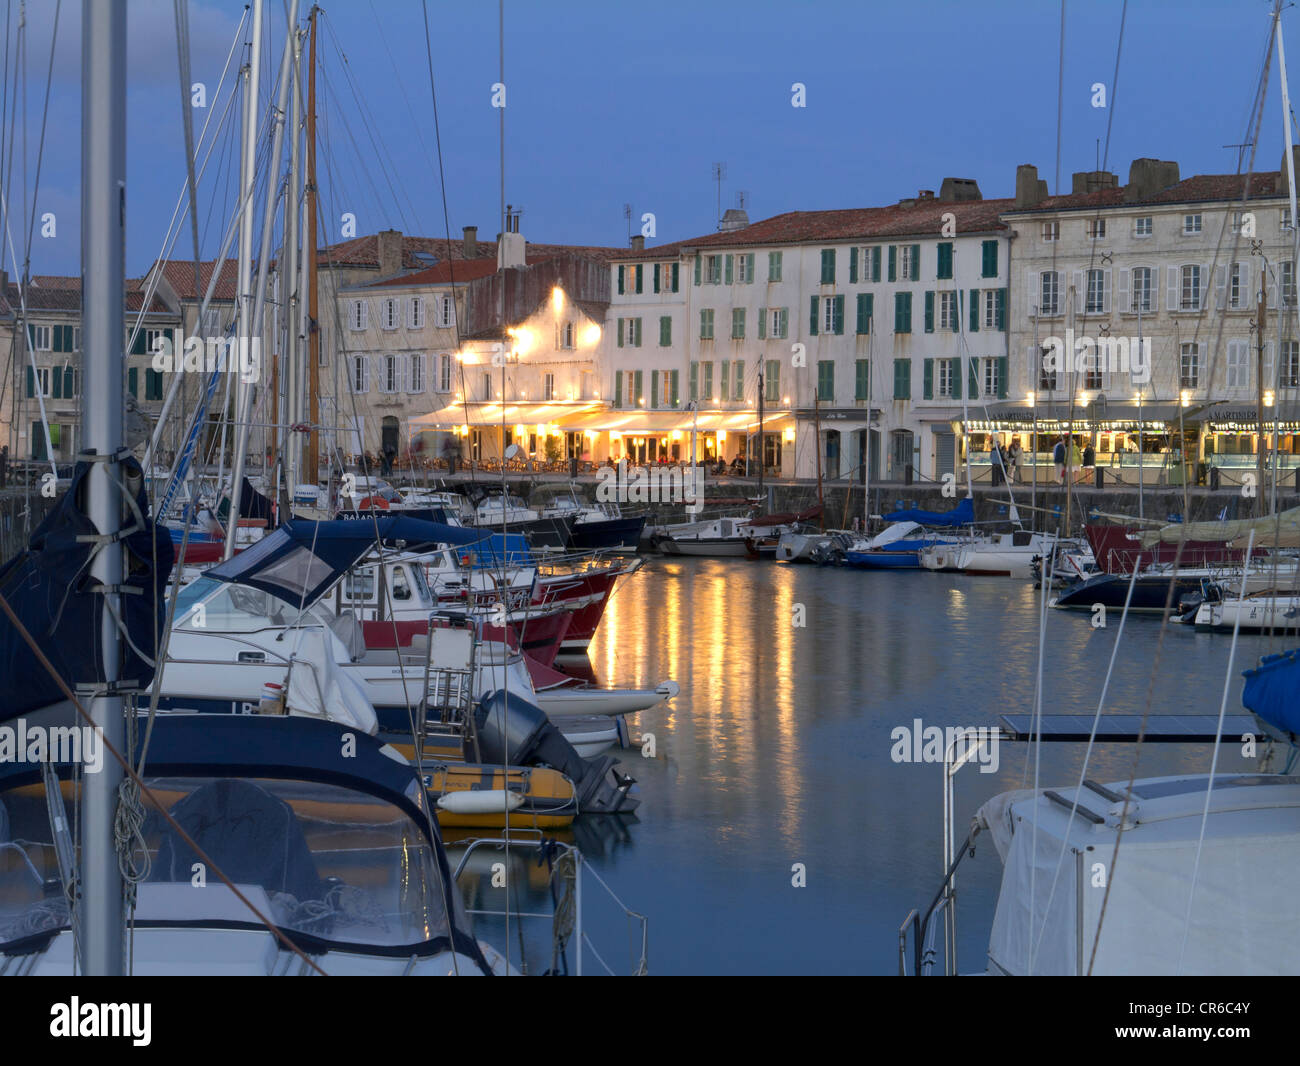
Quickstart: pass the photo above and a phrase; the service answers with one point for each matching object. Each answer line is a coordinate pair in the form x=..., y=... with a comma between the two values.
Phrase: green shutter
x=665, y=331
x=1002, y=377
x=828, y=266
x=812, y=316
x=875, y=263
x=618, y=388
x=772, y=379
x=762, y=323
x=132, y=379
x=620, y=332
x=861, y=384
x=943, y=265
x=863, y=317
x=853, y=265
x=916, y=262
x=640, y=392
x=893, y=262
x=837, y=315
x=654, y=389
x=749, y=268
x=697, y=269
x=738, y=379
x=57, y=384
x=675, y=276
x=31, y=383
x=927, y=389
x=639, y=270
x=70, y=380
x=724, y=379
x=139, y=347
x=956, y=316
x=695, y=380
x=973, y=377
x=656, y=277
x=902, y=379
x=929, y=311
x=1000, y=307
x=989, y=266
x=974, y=310
x=620, y=279
x=675, y=378
x=730, y=269
x=954, y=371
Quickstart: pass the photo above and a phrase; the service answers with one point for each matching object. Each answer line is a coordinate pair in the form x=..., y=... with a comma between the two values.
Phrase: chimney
x=924, y=194
x=733, y=219
x=471, y=242
x=390, y=252
x=1283, y=184
x=1086, y=181
x=638, y=243
x=1146, y=177
x=1030, y=189
x=959, y=191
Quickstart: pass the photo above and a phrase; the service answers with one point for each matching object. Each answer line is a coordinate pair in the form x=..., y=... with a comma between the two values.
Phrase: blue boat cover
x=302, y=559
x=49, y=587
x=1273, y=690
x=961, y=515
x=501, y=549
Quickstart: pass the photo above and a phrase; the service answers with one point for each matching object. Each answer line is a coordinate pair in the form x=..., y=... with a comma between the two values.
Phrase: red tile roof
x=364, y=251
x=48, y=292
x=1199, y=188
x=180, y=276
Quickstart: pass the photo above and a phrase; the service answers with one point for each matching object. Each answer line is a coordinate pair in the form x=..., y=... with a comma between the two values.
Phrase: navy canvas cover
x=1273, y=690
x=961, y=515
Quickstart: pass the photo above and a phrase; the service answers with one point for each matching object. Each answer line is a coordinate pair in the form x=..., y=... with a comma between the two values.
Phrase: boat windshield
x=318, y=859
x=211, y=606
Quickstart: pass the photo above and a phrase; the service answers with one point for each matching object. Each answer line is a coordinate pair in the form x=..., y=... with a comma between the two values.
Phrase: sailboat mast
x=817, y=433
x=292, y=355
x=760, y=431
x=313, y=333
x=103, y=271
x=248, y=175
x=1295, y=229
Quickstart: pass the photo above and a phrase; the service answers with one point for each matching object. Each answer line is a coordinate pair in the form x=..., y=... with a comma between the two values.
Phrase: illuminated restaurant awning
x=511, y=414
x=641, y=421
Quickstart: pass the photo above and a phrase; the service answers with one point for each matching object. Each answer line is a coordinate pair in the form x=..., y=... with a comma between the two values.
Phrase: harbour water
x=777, y=752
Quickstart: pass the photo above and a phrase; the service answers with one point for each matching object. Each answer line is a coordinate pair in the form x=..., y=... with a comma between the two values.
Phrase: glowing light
x=722, y=436
x=787, y=401
x=789, y=434
x=1030, y=397
x=591, y=335
x=676, y=434
x=1268, y=398
x=1186, y=398
x=592, y=434
x=521, y=430
x=557, y=299
x=615, y=435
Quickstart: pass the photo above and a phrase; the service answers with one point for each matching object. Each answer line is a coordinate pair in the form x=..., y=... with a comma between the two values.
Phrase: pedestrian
x=995, y=461
x=1013, y=460
x=1058, y=457
x=1076, y=459
x=1089, y=461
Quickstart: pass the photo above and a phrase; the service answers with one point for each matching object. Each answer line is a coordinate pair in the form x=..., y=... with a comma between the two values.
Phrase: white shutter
x=1268, y=365
x=1080, y=298
x=1105, y=291
x=1221, y=287
x=1033, y=292
x=1172, y=294
x=1206, y=274
x=1244, y=291
x=1125, y=300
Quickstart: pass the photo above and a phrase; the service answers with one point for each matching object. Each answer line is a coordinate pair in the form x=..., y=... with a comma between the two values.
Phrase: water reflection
x=777, y=750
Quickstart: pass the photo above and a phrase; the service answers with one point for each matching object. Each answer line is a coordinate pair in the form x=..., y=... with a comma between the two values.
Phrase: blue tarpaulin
x=1273, y=690
x=961, y=515
x=50, y=589
x=303, y=558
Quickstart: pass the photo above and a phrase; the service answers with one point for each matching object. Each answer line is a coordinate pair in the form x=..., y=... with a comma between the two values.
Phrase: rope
x=564, y=880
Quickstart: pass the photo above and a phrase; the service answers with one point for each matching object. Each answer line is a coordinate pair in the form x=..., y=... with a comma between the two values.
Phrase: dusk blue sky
x=612, y=103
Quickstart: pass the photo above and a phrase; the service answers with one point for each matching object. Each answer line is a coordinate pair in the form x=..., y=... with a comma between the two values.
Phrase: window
x=390, y=314
x=1286, y=271
x=948, y=311
x=706, y=324
x=392, y=374
x=1286, y=218
x=907, y=265
x=828, y=315
x=828, y=266
x=902, y=379
x=629, y=332
x=1046, y=371
x=1289, y=367
x=566, y=336
x=444, y=372
x=40, y=383
x=1191, y=225
x=1189, y=366
x=943, y=386
x=862, y=380
x=1142, y=226
x=993, y=377
x=360, y=374
x=772, y=382
x=1051, y=231
x=779, y=322
x=826, y=381
x=989, y=314
x=866, y=310
x=1237, y=286
x=774, y=266
x=41, y=338
x=1236, y=221
x=1049, y=302
x=548, y=387
x=416, y=383
x=902, y=312
x=1238, y=364
x=446, y=311
x=358, y=315
x=745, y=268
x=737, y=379
x=1096, y=299
x=706, y=380
x=943, y=268
x=1092, y=374
x=713, y=269
x=487, y=385
x=1190, y=289
x=153, y=339
x=1141, y=289
x=415, y=312
x=665, y=331
x=1096, y=229
x=989, y=259
x=737, y=323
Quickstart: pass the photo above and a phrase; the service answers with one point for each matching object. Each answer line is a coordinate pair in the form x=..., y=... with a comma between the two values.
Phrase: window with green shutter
x=1002, y=377
x=620, y=331
x=853, y=265
x=902, y=379
x=812, y=316
x=902, y=312
x=929, y=311
x=862, y=380
x=31, y=383
x=57, y=384
x=639, y=270
x=153, y=385
x=916, y=262
x=656, y=278
x=621, y=271
x=738, y=379
x=675, y=378
x=893, y=262
x=70, y=383
x=972, y=379
x=132, y=381
x=636, y=333
x=654, y=388
x=828, y=266
x=730, y=269
x=989, y=259
x=866, y=303
x=640, y=392
x=927, y=379
x=737, y=323
x=1000, y=309
x=837, y=316
x=724, y=380
x=826, y=381
x=676, y=267
x=706, y=324
x=618, y=388
x=772, y=381
x=749, y=268
x=974, y=310
x=774, y=266
x=762, y=323
x=944, y=266
x=697, y=270
x=875, y=264
x=695, y=380
x=665, y=331
x=706, y=385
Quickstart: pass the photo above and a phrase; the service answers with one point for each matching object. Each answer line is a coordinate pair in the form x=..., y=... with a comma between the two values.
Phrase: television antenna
x=719, y=175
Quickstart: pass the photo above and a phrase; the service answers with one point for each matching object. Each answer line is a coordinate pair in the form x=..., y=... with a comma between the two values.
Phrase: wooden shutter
x=654, y=389
x=954, y=370
x=875, y=263
x=927, y=387
x=762, y=323
x=837, y=315
x=929, y=311
x=812, y=316
x=1000, y=309
x=675, y=379
x=620, y=329
x=618, y=388
x=853, y=265
x=639, y=271
x=974, y=310
x=675, y=276
x=656, y=278
x=916, y=262
x=1173, y=277
x=893, y=262
x=1003, y=369
x=621, y=270
x=730, y=267
x=862, y=380
x=697, y=269
x=973, y=377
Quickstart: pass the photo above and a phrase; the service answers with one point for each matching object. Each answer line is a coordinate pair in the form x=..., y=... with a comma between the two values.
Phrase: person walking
x=1058, y=457
x=1013, y=461
x=995, y=461
x=1076, y=459
x=1089, y=461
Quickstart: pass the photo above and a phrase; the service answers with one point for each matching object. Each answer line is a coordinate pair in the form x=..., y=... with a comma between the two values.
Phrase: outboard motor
x=515, y=732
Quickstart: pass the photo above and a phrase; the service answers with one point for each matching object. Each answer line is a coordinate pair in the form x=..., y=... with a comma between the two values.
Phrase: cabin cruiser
x=596, y=527
x=998, y=554
x=500, y=511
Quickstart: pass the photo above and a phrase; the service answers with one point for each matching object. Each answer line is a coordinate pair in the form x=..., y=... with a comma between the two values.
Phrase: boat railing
x=569, y=870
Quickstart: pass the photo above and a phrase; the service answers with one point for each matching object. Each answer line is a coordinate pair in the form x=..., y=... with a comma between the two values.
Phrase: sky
x=613, y=103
